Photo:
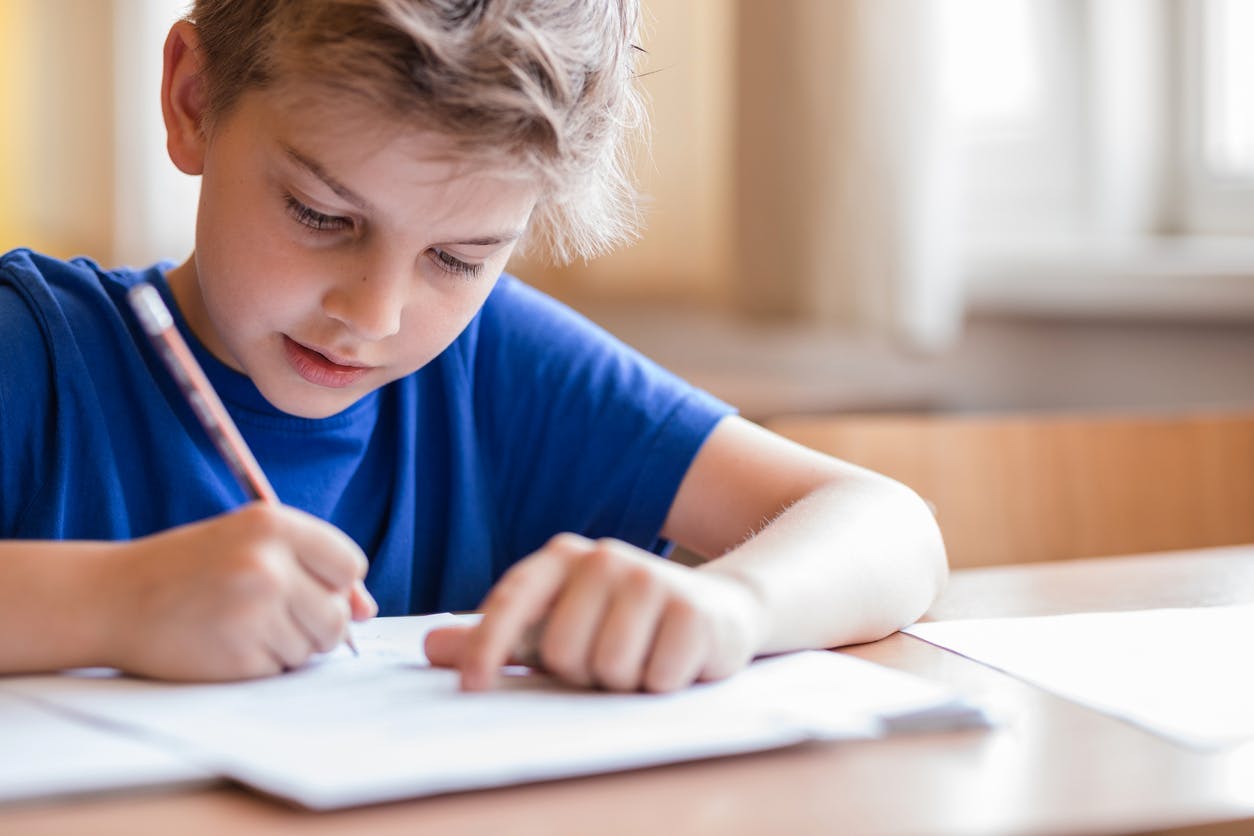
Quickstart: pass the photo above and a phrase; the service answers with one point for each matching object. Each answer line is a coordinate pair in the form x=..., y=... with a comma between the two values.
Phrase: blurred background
x=852, y=205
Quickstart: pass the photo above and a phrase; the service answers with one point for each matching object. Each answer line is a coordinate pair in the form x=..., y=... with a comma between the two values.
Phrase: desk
x=1053, y=767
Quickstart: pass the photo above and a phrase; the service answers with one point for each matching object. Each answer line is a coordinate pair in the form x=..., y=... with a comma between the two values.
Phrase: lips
x=319, y=368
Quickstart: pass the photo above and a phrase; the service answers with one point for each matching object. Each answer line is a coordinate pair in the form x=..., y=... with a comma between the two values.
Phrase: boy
x=368, y=167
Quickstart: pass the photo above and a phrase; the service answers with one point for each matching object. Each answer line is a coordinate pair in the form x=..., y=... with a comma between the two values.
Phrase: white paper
x=385, y=726
x=1185, y=674
x=45, y=753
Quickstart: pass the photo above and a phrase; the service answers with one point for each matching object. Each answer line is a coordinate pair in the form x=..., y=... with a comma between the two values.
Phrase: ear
x=183, y=99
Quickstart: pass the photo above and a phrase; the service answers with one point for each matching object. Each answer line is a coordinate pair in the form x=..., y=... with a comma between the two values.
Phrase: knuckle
x=566, y=542
x=506, y=595
x=639, y=579
x=261, y=519
x=599, y=560
x=610, y=546
x=683, y=613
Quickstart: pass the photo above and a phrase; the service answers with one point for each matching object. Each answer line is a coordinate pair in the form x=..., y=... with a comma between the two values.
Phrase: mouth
x=322, y=369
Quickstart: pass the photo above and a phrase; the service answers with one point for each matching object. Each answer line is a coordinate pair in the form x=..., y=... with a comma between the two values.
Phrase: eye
x=452, y=264
x=314, y=219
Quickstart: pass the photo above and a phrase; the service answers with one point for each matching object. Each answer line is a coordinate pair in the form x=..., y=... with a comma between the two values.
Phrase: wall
x=673, y=294
x=56, y=160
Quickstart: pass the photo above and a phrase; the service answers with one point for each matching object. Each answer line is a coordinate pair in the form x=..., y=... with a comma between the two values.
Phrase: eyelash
x=455, y=265
x=314, y=219
x=318, y=222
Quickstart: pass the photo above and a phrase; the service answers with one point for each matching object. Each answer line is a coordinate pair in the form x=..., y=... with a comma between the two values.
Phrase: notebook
x=383, y=726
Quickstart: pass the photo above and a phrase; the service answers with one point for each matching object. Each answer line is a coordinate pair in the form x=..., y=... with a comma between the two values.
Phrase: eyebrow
x=489, y=240
x=316, y=169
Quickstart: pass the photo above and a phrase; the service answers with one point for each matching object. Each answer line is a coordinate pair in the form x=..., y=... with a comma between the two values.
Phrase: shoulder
x=49, y=293
x=56, y=319
x=28, y=310
x=45, y=282
x=537, y=351
x=516, y=310
x=525, y=330
x=57, y=296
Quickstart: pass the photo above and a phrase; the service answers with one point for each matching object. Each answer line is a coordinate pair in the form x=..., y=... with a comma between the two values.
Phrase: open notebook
x=384, y=726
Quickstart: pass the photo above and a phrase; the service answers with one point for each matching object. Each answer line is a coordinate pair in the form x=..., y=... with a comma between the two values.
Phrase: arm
x=806, y=552
x=245, y=594
x=838, y=554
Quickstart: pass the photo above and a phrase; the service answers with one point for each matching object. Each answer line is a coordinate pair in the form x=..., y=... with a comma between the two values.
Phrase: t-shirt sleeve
x=25, y=375
x=582, y=433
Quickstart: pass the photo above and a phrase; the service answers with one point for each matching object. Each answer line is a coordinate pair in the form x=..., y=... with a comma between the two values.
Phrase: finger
x=361, y=603
x=519, y=600
x=628, y=630
x=679, y=650
x=574, y=619
x=288, y=644
x=321, y=615
x=446, y=645
x=324, y=551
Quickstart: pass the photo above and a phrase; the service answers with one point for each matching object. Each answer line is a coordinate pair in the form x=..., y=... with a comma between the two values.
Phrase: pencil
x=158, y=323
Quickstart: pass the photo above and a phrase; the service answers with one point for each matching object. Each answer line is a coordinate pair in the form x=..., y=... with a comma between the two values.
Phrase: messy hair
x=548, y=83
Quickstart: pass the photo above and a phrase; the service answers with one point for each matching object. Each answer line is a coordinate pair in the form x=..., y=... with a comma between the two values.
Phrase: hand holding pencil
x=249, y=593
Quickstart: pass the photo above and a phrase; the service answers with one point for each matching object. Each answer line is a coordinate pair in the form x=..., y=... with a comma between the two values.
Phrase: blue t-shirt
x=533, y=422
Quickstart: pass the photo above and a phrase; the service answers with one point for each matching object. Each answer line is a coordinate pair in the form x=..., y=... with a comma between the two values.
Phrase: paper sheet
x=385, y=726
x=1185, y=674
x=44, y=753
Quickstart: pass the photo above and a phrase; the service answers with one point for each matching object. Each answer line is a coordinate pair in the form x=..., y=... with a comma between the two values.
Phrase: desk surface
x=1052, y=767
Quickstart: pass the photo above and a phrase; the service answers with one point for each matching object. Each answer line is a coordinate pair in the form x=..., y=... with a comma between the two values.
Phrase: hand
x=606, y=614
x=246, y=594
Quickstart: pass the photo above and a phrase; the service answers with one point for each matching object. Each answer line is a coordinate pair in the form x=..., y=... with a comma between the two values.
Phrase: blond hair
x=547, y=83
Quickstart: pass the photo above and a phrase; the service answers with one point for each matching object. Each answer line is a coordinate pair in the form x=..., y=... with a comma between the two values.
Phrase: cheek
x=434, y=321
x=246, y=257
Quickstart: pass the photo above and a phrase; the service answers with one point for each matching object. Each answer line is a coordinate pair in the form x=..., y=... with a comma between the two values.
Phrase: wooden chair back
x=1011, y=489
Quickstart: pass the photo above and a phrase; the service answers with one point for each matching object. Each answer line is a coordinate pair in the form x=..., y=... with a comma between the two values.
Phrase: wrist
x=102, y=608
x=751, y=604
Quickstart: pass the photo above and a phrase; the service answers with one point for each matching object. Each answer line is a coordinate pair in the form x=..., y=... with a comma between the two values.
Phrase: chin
x=312, y=404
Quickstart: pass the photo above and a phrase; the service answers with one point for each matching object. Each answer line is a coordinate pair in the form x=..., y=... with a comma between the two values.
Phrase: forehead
x=378, y=157
x=341, y=128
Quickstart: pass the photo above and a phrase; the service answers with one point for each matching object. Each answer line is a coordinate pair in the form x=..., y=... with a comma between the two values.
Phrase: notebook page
x=385, y=726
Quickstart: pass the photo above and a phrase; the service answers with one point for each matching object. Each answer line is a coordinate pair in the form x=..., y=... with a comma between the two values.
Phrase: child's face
x=333, y=260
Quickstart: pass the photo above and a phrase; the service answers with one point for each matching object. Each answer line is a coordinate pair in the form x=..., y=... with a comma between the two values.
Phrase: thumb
x=446, y=645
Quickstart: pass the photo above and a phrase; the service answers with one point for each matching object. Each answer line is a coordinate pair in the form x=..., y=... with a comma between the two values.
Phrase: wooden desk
x=1053, y=767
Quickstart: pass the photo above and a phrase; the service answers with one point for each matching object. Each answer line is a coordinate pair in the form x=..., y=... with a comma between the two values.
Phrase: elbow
x=921, y=568
x=928, y=546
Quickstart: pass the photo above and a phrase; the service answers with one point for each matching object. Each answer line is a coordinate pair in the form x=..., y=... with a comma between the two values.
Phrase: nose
x=369, y=304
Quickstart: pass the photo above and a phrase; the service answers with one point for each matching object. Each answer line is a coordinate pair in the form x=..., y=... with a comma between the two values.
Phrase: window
x=1107, y=152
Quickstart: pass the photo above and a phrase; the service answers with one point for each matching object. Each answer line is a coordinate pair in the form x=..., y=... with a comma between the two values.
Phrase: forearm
x=850, y=562
x=53, y=603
